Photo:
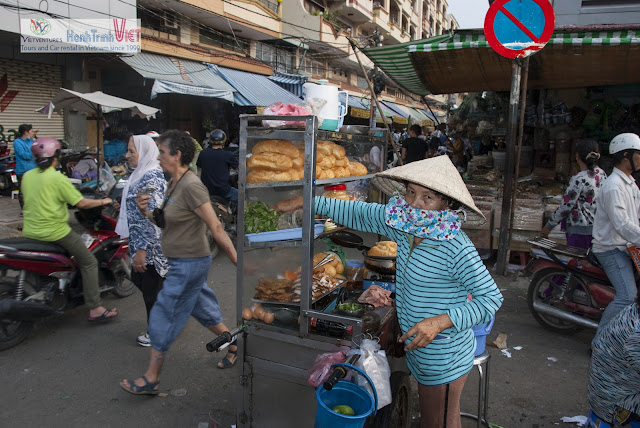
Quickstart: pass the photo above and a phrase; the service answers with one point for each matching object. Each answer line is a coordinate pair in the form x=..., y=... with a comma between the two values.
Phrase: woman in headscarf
x=437, y=268
x=149, y=266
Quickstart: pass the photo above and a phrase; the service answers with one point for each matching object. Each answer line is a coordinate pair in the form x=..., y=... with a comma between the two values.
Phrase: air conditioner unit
x=169, y=20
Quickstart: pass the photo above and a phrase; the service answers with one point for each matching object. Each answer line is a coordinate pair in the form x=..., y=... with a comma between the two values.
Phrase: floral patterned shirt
x=579, y=202
x=143, y=234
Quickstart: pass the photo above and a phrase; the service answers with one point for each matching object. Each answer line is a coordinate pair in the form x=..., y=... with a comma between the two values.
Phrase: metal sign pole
x=512, y=128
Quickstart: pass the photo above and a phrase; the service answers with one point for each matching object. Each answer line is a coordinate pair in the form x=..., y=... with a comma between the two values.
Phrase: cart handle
x=360, y=372
x=224, y=338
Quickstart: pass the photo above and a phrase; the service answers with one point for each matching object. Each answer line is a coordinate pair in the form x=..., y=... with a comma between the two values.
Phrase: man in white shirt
x=616, y=223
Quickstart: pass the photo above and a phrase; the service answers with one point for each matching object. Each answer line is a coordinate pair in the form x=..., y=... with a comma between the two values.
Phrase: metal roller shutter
x=25, y=87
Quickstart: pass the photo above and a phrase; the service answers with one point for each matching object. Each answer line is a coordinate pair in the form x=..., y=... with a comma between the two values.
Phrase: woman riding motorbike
x=46, y=195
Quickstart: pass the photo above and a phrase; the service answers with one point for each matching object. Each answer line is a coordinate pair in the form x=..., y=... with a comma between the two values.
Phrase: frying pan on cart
x=380, y=264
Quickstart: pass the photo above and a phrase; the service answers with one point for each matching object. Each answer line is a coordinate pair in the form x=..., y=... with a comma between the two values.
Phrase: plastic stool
x=14, y=194
x=519, y=257
x=483, y=389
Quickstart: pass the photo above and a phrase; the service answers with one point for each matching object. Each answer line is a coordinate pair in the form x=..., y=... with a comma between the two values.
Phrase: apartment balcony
x=356, y=11
x=396, y=34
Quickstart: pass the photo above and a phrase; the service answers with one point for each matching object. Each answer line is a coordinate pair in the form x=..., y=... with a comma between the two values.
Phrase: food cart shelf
x=319, y=182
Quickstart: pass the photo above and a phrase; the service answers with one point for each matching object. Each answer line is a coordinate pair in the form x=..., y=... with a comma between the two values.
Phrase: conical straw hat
x=437, y=173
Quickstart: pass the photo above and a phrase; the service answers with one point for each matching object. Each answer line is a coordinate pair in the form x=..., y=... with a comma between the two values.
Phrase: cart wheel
x=398, y=413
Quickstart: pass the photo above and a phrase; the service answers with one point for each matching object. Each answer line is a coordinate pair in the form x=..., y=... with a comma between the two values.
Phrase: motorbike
x=39, y=280
x=569, y=290
x=8, y=178
x=226, y=212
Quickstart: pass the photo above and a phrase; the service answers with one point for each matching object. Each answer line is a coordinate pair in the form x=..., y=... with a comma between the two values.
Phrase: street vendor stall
x=583, y=84
x=298, y=296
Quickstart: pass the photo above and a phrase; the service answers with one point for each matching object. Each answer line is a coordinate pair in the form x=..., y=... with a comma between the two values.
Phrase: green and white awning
x=463, y=61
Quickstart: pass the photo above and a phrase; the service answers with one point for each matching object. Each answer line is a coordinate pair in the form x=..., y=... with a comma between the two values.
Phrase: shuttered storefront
x=25, y=87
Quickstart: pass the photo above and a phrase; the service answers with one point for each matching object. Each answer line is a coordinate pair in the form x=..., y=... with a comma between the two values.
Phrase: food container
x=354, y=273
x=331, y=112
x=283, y=235
x=338, y=191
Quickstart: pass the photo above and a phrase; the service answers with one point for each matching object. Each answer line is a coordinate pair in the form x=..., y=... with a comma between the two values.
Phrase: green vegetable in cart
x=260, y=218
x=351, y=307
x=343, y=409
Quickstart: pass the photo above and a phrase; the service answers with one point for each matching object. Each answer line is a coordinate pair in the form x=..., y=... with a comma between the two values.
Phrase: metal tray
x=297, y=304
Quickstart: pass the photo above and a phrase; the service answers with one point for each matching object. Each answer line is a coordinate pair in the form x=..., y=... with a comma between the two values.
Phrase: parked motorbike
x=8, y=178
x=569, y=290
x=226, y=212
x=39, y=280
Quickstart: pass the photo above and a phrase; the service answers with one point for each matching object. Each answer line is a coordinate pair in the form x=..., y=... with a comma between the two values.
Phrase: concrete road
x=66, y=373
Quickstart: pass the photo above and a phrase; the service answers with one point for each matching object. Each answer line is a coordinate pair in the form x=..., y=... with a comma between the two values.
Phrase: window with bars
x=222, y=40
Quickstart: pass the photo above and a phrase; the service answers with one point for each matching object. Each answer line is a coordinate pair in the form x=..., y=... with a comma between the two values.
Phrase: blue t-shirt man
x=215, y=163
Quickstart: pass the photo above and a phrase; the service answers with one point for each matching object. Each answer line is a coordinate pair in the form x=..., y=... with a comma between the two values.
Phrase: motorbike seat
x=594, y=260
x=26, y=244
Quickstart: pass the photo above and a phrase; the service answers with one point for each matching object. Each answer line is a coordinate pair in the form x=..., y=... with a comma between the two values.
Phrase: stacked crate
x=527, y=222
x=476, y=228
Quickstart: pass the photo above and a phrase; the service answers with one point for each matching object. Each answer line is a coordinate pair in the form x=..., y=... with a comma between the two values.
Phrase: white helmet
x=622, y=142
x=153, y=134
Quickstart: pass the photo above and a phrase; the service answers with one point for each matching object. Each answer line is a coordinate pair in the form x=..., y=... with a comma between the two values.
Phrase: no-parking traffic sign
x=519, y=28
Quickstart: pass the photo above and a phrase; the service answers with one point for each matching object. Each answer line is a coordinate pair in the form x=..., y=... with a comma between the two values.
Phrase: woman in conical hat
x=437, y=267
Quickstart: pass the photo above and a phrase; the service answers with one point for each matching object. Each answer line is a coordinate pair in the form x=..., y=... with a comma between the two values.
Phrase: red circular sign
x=537, y=42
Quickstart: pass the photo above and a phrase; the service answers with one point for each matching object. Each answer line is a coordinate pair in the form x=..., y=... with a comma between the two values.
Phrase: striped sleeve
x=467, y=268
x=632, y=349
x=362, y=216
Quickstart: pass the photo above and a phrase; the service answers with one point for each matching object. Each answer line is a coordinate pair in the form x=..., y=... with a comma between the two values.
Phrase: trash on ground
x=506, y=353
x=500, y=342
x=517, y=348
x=580, y=420
x=552, y=359
x=162, y=394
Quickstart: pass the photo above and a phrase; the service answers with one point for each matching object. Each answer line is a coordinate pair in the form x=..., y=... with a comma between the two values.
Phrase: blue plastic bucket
x=347, y=393
x=481, y=332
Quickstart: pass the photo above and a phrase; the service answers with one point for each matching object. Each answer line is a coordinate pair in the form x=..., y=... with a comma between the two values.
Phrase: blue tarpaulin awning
x=175, y=75
x=291, y=82
x=254, y=89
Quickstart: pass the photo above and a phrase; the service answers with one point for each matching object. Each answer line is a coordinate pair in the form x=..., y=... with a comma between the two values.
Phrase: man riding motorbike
x=46, y=195
x=616, y=223
x=214, y=162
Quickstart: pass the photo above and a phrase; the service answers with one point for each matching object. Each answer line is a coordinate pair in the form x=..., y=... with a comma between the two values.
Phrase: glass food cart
x=275, y=276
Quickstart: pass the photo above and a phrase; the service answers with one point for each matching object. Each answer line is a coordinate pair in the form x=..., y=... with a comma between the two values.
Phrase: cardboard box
x=528, y=214
x=475, y=222
x=518, y=239
x=480, y=238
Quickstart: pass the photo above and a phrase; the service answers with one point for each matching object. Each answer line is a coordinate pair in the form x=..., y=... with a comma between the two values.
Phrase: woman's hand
x=142, y=201
x=139, y=261
x=425, y=331
x=545, y=232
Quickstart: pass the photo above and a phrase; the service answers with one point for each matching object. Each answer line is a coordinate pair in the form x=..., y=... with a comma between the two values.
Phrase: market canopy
x=463, y=61
x=96, y=103
x=179, y=76
x=291, y=82
x=254, y=89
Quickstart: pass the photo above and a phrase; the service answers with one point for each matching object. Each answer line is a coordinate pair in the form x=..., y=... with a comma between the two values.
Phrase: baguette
x=288, y=205
x=356, y=168
x=261, y=176
x=282, y=147
x=270, y=162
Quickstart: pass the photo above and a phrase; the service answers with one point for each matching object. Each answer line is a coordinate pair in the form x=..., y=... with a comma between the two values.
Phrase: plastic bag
x=373, y=362
x=107, y=180
x=311, y=107
x=321, y=369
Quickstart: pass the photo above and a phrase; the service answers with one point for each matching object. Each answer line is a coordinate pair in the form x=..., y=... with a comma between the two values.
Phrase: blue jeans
x=620, y=270
x=232, y=195
x=184, y=293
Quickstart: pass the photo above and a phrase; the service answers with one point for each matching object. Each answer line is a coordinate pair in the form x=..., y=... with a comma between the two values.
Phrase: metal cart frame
x=274, y=360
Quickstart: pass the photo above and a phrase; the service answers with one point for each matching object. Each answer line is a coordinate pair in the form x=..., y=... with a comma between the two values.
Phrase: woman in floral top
x=149, y=266
x=579, y=204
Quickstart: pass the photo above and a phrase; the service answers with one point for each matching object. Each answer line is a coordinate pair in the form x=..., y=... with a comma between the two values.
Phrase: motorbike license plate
x=14, y=179
x=87, y=239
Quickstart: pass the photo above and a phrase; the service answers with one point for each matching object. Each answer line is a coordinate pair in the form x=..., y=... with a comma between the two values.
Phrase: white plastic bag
x=373, y=362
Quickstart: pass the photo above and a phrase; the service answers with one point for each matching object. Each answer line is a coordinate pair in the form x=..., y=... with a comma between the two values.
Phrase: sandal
x=103, y=317
x=146, y=389
x=226, y=363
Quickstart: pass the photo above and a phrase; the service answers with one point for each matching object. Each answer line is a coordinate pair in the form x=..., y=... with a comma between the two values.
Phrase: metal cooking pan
x=351, y=240
x=381, y=264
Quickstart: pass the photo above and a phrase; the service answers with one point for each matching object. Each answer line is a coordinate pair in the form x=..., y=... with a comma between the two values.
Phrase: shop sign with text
x=40, y=35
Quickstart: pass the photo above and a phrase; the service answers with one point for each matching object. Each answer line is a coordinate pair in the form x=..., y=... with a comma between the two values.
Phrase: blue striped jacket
x=432, y=279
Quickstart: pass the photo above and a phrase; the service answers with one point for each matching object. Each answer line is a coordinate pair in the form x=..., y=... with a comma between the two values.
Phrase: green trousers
x=88, y=263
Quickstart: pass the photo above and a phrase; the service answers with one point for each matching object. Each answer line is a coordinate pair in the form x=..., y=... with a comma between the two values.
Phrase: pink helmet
x=44, y=148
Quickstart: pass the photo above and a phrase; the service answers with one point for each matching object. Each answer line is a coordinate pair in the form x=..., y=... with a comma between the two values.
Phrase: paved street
x=66, y=373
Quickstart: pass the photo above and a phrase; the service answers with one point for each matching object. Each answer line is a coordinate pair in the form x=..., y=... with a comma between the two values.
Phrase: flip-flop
x=226, y=364
x=146, y=389
x=103, y=317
